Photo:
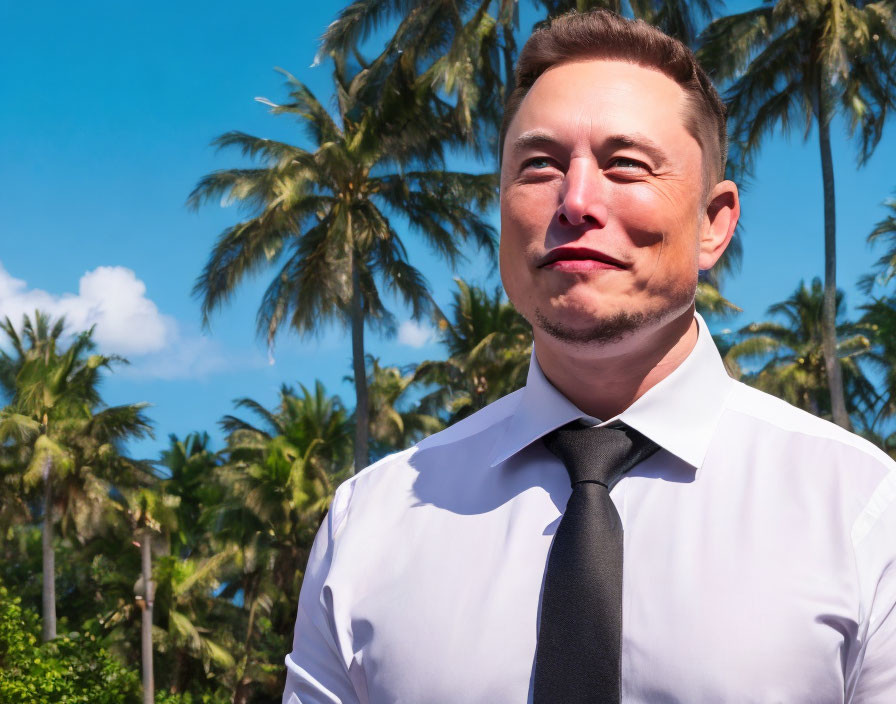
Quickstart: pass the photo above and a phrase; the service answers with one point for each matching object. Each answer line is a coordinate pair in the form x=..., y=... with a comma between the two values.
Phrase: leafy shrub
x=218, y=697
x=72, y=669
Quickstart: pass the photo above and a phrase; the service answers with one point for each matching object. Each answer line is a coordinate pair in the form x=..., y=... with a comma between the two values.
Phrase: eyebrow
x=640, y=141
x=534, y=139
x=537, y=139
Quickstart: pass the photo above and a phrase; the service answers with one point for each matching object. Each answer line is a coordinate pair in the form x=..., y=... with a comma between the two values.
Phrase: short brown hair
x=601, y=34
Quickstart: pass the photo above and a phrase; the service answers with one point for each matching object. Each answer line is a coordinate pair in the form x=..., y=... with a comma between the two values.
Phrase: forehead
x=600, y=96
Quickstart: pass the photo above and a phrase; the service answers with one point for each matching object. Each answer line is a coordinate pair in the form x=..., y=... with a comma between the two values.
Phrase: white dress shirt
x=760, y=556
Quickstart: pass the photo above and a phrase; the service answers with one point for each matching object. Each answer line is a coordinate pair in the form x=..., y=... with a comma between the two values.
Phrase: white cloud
x=126, y=321
x=110, y=297
x=414, y=334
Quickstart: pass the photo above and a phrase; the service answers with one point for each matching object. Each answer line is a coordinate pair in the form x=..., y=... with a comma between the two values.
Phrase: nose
x=582, y=197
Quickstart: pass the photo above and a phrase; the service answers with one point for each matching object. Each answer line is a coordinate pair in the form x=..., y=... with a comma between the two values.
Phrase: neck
x=604, y=380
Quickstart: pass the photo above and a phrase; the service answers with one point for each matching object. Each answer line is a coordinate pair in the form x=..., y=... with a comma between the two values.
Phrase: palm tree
x=323, y=213
x=150, y=513
x=395, y=422
x=883, y=233
x=37, y=378
x=880, y=319
x=468, y=48
x=792, y=355
x=489, y=346
x=711, y=302
x=67, y=436
x=677, y=18
x=187, y=465
x=280, y=476
x=14, y=508
x=186, y=610
x=800, y=63
x=463, y=48
x=309, y=421
x=191, y=629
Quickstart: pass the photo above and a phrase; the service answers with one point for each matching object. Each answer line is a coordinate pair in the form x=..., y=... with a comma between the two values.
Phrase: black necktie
x=579, y=639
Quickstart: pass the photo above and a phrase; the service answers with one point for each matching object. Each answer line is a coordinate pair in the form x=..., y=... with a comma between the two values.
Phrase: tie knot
x=599, y=454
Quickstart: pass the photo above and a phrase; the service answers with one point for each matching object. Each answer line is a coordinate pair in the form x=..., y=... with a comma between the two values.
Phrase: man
x=482, y=565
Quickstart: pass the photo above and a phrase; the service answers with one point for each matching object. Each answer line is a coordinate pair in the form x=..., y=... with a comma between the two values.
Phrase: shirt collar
x=680, y=413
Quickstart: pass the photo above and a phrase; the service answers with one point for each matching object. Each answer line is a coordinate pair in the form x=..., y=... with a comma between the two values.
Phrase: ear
x=719, y=221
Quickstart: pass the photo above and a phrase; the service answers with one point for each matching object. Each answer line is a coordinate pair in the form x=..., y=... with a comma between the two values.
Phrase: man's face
x=602, y=207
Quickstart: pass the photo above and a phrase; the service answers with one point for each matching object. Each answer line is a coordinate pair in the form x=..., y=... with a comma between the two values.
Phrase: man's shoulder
x=814, y=457
x=484, y=420
x=475, y=431
x=770, y=413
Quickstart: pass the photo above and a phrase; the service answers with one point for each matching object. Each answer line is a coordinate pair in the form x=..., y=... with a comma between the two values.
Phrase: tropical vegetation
x=176, y=578
x=798, y=65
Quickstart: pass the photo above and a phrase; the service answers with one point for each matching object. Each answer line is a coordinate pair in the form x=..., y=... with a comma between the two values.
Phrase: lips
x=579, y=259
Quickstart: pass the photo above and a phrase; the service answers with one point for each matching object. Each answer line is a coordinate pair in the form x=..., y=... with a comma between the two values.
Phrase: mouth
x=579, y=259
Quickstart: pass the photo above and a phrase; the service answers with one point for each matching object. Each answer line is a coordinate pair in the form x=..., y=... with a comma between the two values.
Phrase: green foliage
x=278, y=477
x=57, y=421
x=189, y=465
x=710, y=301
x=396, y=422
x=880, y=320
x=184, y=606
x=464, y=49
x=489, y=344
x=230, y=530
x=218, y=696
x=678, y=18
x=325, y=214
x=884, y=233
x=72, y=669
x=791, y=354
x=57, y=430
x=794, y=64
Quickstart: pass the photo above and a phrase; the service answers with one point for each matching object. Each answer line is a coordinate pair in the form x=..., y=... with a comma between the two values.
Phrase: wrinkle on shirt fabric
x=760, y=556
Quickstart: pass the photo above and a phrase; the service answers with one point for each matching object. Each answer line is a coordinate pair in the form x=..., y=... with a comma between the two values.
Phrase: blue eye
x=539, y=162
x=626, y=163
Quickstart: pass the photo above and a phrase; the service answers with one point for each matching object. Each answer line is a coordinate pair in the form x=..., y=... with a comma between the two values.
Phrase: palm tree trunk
x=362, y=411
x=179, y=680
x=509, y=51
x=244, y=683
x=49, y=558
x=829, y=309
x=146, y=626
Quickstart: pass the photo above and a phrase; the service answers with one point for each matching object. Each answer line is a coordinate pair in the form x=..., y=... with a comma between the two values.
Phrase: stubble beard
x=619, y=325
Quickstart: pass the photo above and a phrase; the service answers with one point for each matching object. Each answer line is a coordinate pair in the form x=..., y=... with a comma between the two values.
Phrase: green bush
x=218, y=697
x=72, y=669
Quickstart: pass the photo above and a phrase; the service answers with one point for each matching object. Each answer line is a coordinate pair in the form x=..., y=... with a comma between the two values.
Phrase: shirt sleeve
x=316, y=672
x=876, y=555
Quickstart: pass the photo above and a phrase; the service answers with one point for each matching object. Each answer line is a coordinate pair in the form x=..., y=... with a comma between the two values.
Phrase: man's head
x=605, y=35
x=611, y=194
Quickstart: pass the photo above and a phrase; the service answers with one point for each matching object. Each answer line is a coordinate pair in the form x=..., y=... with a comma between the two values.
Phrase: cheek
x=524, y=222
x=525, y=218
x=530, y=207
x=644, y=208
x=662, y=224
x=659, y=218
x=515, y=275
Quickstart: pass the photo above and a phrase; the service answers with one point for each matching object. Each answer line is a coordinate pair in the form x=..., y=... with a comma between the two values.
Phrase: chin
x=583, y=329
x=578, y=326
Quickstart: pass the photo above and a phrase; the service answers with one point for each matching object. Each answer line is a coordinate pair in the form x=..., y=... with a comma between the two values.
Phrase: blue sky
x=108, y=112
